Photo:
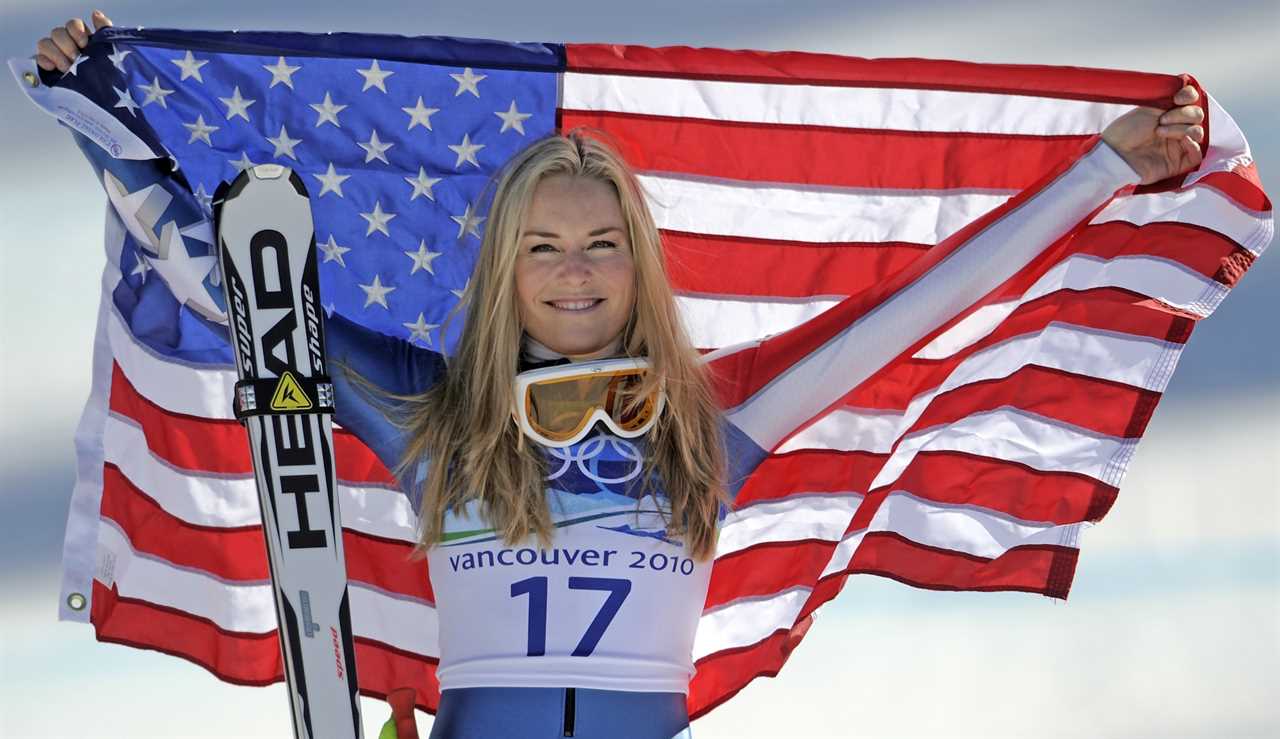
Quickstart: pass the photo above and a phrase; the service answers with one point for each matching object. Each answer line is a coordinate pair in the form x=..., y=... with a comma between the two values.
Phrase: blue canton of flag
x=395, y=156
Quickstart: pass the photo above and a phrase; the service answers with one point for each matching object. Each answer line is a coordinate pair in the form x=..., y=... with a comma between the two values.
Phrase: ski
x=285, y=401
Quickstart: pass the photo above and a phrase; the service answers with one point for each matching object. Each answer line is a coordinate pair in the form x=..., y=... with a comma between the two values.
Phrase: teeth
x=573, y=304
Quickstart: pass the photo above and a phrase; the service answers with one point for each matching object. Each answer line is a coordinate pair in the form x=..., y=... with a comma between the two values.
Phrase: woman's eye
x=603, y=244
x=541, y=248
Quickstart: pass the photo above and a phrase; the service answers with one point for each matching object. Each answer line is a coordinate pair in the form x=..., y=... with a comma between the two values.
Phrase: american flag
x=934, y=408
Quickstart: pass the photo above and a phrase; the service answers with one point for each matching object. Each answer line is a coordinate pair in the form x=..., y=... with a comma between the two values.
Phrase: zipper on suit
x=569, y=710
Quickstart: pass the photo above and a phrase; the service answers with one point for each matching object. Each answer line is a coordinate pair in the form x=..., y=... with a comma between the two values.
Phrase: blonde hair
x=463, y=424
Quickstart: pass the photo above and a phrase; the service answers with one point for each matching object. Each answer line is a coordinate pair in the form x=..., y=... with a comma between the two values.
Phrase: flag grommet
x=31, y=79
x=77, y=602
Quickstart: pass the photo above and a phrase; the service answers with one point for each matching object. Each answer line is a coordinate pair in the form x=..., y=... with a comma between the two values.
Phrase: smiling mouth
x=575, y=306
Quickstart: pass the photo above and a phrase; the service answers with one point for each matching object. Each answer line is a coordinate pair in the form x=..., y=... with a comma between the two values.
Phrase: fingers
x=1181, y=131
x=50, y=56
x=1185, y=114
x=78, y=32
x=1186, y=96
x=63, y=44
x=1191, y=155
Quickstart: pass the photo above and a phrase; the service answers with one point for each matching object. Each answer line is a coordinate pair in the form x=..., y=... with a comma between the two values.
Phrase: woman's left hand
x=1160, y=143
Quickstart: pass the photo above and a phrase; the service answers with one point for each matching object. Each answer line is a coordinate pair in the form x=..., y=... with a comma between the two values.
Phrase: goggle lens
x=560, y=408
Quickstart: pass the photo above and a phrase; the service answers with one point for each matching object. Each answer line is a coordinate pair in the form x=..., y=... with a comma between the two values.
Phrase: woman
x=531, y=496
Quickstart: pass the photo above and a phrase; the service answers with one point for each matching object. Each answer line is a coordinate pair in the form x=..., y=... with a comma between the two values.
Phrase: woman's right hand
x=63, y=44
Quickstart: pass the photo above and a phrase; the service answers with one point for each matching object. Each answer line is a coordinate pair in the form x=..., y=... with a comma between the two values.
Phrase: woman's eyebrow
x=553, y=235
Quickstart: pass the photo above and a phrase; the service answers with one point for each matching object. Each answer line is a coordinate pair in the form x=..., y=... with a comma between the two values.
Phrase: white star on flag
x=242, y=163
x=377, y=219
x=422, y=184
x=420, y=115
x=466, y=151
x=327, y=112
x=421, y=330
x=236, y=105
x=206, y=200
x=374, y=76
x=468, y=81
x=422, y=258
x=199, y=131
x=126, y=101
x=185, y=274
x=376, y=293
x=513, y=118
x=75, y=64
x=117, y=57
x=333, y=252
x=284, y=144
x=468, y=222
x=190, y=66
x=375, y=149
x=141, y=267
x=156, y=93
x=281, y=72
x=459, y=292
x=331, y=181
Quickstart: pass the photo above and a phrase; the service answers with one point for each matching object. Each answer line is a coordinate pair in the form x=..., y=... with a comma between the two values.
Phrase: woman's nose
x=576, y=266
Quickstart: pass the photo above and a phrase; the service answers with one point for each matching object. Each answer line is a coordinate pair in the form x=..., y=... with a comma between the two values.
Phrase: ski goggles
x=558, y=406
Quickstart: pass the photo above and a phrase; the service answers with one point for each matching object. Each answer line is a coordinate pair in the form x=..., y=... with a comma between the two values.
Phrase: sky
x=1173, y=624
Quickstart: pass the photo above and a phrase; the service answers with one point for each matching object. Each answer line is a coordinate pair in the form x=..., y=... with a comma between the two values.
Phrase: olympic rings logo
x=587, y=457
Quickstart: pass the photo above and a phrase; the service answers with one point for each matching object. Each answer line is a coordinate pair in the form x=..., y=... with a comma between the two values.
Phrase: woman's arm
x=774, y=386
x=390, y=364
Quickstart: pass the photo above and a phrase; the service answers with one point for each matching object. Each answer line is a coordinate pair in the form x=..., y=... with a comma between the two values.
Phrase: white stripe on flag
x=746, y=621
x=966, y=528
x=900, y=109
x=1199, y=205
x=1132, y=360
x=797, y=517
x=176, y=386
x=1015, y=436
x=1167, y=281
x=229, y=501
x=811, y=214
x=401, y=622
x=715, y=322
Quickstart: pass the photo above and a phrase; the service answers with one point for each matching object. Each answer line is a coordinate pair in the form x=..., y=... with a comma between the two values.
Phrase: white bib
x=612, y=604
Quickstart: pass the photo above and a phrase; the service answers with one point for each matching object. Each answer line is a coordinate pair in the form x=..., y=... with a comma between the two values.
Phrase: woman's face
x=575, y=278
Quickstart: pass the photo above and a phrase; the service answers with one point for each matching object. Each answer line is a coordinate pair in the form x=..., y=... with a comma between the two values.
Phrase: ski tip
x=269, y=171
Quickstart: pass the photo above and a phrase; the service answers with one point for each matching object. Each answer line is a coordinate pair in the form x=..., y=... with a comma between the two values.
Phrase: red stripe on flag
x=802, y=68
x=236, y=657
x=208, y=445
x=221, y=446
x=1103, y=406
x=239, y=554
x=957, y=478
x=827, y=155
x=720, y=676
x=764, y=267
x=1105, y=309
x=385, y=564
x=796, y=269
x=1036, y=569
x=226, y=553
x=756, y=570
x=1243, y=185
x=244, y=658
x=810, y=470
